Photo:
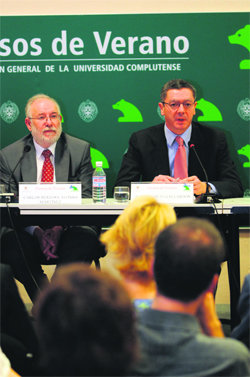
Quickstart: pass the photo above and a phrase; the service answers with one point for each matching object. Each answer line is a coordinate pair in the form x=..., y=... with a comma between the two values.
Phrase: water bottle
x=99, y=184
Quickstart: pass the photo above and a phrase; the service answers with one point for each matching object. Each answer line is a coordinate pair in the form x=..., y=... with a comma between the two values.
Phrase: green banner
x=106, y=71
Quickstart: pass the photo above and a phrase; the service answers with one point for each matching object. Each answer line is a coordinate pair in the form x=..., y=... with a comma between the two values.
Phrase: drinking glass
x=121, y=194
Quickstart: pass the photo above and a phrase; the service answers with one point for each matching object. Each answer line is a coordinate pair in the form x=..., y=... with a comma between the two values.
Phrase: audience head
x=132, y=236
x=187, y=256
x=85, y=323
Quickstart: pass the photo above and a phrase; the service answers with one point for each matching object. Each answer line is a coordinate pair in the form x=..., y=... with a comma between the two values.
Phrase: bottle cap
x=98, y=163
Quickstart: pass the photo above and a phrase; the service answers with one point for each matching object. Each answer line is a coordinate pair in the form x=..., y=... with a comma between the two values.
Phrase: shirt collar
x=170, y=136
x=39, y=149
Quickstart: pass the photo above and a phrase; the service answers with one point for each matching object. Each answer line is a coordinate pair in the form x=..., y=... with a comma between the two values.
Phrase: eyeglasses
x=42, y=118
x=175, y=105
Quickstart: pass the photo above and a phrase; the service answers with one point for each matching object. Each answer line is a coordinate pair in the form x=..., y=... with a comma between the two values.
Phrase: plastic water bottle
x=99, y=184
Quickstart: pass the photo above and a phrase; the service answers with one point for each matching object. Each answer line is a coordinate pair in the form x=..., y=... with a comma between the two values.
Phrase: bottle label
x=99, y=181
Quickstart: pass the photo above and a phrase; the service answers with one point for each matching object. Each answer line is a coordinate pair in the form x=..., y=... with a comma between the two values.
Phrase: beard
x=46, y=140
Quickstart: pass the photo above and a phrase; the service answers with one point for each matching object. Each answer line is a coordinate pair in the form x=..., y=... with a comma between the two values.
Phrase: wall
x=107, y=71
x=30, y=7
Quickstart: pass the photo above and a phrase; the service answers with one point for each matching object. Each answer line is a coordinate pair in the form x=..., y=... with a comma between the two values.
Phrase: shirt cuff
x=211, y=188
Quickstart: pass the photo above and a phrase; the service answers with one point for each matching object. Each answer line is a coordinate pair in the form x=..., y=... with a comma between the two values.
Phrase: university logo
x=130, y=112
x=242, y=38
x=9, y=112
x=87, y=111
x=243, y=109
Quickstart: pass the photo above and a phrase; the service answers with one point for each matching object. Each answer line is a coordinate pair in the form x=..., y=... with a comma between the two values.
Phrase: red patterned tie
x=48, y=169
x=180, y=161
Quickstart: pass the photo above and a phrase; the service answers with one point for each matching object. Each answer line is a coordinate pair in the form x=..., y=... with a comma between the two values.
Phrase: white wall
x=53, y=7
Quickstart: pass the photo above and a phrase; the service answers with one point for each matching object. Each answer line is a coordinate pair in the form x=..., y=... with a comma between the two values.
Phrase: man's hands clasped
x=199, y=186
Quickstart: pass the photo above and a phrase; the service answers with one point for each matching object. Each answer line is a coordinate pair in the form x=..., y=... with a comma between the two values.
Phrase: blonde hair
x=36, y=97
x=133, y=235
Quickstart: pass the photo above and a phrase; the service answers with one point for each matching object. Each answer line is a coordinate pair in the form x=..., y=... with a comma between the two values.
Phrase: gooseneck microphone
x=192, y=146
x=26, y=149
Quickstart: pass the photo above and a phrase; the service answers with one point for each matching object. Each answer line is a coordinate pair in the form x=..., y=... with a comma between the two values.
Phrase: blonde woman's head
x=132, y=236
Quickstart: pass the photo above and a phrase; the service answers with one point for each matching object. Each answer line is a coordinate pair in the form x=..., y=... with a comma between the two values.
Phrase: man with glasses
x=46, y=155
x=181, y=150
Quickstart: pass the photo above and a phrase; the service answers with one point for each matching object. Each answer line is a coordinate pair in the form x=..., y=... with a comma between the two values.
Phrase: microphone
x=26, y=149
x=192, y=146
x=203, y=197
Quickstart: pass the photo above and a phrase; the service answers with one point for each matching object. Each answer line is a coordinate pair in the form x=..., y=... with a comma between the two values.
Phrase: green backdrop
x=106, y=71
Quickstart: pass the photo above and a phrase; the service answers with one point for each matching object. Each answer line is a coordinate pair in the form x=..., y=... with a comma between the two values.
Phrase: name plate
x=165, y=192
x=50, y=193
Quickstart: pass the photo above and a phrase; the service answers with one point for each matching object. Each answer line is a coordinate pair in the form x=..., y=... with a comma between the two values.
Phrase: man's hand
x=48, y=240
x=39, y=234
x=164, y=179
x=208, y=318
x=199, y=187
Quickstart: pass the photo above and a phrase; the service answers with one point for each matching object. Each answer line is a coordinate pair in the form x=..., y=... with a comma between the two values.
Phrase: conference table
x=228, y=215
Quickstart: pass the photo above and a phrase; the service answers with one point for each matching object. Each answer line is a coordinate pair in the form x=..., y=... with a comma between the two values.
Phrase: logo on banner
x=242, y=38
x=243, y=109
x=245, y=151
x=87, y=111
x=130, y=112
x=9, y=112
x=98, y=156
x=210, y=112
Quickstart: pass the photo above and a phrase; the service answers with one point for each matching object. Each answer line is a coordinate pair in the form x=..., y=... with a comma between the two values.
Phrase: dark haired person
x=181, y=335
x=86, y=324
x=152, y=152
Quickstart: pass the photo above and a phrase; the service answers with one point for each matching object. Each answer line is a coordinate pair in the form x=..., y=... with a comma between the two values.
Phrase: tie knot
x=46, y=153
x=179, y=140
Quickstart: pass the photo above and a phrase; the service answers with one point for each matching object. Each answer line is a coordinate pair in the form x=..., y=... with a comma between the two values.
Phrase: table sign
x=50, y=193
x=164, y=192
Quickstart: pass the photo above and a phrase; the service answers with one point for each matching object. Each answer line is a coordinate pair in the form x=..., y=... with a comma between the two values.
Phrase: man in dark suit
x=151, y=152
x=69, y=161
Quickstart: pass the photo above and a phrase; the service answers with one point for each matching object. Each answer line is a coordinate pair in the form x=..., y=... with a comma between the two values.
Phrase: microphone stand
x=207, y=197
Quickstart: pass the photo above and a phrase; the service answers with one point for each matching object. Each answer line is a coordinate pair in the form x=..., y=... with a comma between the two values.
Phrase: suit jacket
x=72, y=163
x=147, y=157
x=242, y=331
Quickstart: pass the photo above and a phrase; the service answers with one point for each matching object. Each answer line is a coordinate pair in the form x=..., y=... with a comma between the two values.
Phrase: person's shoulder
x=16, y=145
x=207, y=130
x=152, y=130
x=73, y=141
x=247, y=281
x=229, y=347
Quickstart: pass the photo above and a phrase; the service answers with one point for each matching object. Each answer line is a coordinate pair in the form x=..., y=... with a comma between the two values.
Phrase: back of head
x=132, y=236
x=85, y=324
x=187, y=255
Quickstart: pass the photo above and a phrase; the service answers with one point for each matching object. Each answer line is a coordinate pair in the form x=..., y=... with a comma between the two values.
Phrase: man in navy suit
x=71, y=162
x=151, y=152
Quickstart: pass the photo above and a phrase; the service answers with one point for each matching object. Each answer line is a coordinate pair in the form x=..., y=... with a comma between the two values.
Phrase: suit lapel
x=28, y=164
x=160, y=150
x=62, y=160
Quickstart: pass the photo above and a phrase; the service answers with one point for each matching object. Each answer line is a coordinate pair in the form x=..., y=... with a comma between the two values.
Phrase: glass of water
x=121, y=194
